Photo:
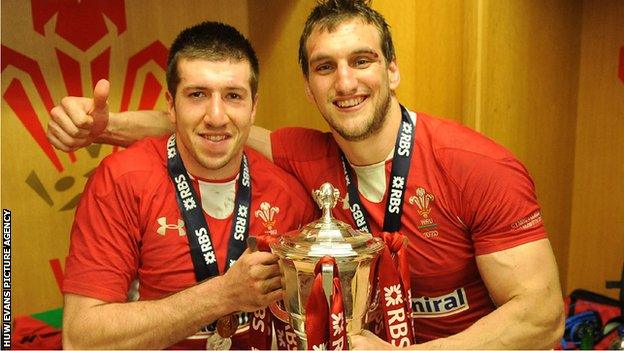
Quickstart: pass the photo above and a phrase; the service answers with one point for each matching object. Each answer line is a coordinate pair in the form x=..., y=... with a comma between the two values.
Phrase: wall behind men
x=597, y=227
x=507, y=68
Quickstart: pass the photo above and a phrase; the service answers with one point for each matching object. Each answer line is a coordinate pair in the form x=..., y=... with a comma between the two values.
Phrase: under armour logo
x=162, y=221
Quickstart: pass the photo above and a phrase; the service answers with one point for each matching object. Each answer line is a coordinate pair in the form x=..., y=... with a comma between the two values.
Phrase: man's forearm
x=145, y=324
x=124, y=128
x=523, y=281
x=530, y=323
x=260, y=140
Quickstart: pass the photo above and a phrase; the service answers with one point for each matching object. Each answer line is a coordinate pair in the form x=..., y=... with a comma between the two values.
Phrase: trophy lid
x=327, y=235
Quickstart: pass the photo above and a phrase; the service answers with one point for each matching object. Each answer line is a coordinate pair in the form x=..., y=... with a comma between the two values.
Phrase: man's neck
x=376, y=147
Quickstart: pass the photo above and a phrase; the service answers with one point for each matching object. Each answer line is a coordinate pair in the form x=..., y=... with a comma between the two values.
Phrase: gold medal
x=227, y=325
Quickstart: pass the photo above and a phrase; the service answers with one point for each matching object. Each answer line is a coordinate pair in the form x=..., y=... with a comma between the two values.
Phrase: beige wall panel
x=428, y=42
x=274, y=28
x=41, y=230
x=428, y=38
x=597, y=237
x=530, y=64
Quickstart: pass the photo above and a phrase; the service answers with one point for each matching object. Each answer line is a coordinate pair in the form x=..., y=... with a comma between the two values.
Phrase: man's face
x=213, y=112
x=349, y=79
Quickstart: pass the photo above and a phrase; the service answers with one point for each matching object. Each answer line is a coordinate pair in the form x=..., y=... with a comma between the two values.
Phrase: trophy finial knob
x=326, y=198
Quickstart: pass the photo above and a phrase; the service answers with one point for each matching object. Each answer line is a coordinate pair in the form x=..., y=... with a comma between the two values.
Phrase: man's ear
x=308, y=91
x=253, y=109
x=394, y=77
x=170, y=107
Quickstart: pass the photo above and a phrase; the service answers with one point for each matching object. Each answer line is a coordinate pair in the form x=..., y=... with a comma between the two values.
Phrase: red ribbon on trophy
x=325, y=325
x=393, y=291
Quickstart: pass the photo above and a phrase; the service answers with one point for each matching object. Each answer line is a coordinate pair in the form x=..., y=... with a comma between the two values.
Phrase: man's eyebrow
x=320, y=57
x=363, y=51
x=205, y=87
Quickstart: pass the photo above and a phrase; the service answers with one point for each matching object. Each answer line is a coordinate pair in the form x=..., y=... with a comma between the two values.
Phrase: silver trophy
x=353, y=250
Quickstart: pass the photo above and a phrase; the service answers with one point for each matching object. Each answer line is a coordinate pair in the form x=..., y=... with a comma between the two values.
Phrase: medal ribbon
x=393, y=287
x=198, y=234
x=401, y=159
x=390, y=281
x=325, y=325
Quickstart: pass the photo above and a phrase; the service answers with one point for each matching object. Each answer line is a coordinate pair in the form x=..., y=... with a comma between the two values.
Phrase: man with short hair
x=174, y=212
x=481, y=268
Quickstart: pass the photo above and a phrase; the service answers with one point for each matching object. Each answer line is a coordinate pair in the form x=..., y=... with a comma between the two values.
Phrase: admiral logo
x=440, y=306
x=185, y=192
x=163, y=226
x=405, y=141
x=205, y=245
x=241, y=223
x=396, y=194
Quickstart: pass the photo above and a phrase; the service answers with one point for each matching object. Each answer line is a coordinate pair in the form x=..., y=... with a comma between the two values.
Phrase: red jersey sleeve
x=294, y=146
x=104, y=252
x=497, y=200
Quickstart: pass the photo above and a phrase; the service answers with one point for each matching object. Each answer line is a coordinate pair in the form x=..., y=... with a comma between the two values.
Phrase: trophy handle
x=279, y=312
x=275, y=308
x=327, y=272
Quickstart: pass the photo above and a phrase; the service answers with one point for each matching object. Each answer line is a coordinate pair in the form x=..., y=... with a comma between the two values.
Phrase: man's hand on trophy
x=366, y=340
x=254, y=281
x=77, y=121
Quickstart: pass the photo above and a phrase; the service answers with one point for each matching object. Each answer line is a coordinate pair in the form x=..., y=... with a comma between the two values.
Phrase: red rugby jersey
x=128, y=225
x=465, y=196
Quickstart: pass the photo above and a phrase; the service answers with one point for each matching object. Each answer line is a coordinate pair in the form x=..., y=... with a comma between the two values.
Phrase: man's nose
x=346, y=82
x=215, y=112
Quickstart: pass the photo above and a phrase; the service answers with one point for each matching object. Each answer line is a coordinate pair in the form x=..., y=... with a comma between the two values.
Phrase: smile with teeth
x=214, y=138
x=350, y=102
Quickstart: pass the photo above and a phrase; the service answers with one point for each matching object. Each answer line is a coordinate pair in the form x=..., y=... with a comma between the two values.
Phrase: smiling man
x=174, y=213
x=481, y=268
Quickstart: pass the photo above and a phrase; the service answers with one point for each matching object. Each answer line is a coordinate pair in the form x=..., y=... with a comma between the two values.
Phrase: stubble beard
x=372, y=125
x=208, y=163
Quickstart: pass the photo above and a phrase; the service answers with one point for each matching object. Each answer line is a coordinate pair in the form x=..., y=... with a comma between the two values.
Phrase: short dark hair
x=212, y=41
x=328, y=14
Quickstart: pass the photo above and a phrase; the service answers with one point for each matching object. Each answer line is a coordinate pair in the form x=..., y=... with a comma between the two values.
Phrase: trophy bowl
x=353, y=251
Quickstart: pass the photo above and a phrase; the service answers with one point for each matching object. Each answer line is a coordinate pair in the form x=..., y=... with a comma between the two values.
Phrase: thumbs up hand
x=77, y=121
x=99, y=112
